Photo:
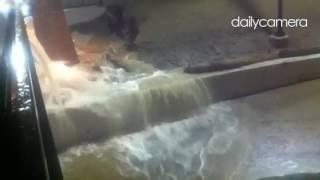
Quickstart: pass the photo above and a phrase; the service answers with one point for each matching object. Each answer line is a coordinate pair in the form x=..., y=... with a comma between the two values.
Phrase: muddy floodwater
x=255, y=137
x=206, y=146
x=132, y=114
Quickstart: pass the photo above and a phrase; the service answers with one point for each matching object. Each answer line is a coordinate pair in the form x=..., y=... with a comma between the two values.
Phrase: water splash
x=127, y=107
x=97, y=106
x=208, y=146
x=85, y=105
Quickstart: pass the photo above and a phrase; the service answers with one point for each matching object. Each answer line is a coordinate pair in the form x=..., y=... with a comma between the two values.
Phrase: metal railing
x=32, y=147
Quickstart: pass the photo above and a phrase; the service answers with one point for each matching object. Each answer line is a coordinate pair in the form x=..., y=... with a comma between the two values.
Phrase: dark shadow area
x=303, y=176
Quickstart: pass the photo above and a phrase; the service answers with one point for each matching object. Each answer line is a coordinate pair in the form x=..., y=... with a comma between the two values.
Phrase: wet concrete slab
x=284, y=128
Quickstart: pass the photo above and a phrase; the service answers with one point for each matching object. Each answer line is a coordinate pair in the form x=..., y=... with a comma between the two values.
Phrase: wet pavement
x=284, y=127
x=180, y=33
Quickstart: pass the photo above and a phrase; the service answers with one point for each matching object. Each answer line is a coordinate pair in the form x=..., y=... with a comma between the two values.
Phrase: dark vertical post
x=7, y=34
x=279, y=39
x=39, y=113
x=280, y=31
x=25, y=130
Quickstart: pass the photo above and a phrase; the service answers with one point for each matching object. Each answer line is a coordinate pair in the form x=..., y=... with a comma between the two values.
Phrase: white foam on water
x=61, y=83
x=210, y=145
x=118, y=101
x=206, y=146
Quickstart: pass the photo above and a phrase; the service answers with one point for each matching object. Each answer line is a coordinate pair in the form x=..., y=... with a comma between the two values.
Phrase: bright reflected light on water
x=18, y=61
x=64, y=72
x=5, y=6
x=24, y=6
x=25, y=9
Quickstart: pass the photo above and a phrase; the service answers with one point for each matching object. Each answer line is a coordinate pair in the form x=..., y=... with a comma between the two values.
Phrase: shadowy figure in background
x=122, y=25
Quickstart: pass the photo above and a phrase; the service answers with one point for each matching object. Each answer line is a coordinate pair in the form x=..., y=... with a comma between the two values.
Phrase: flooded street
x=202, y=147
x=249, y=138
x=132, y=114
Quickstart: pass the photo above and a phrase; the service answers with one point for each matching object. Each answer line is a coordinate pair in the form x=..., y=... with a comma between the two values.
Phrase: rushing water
x=210, y=145
x=87, y=106
x=125, y=108
x=205, y=146
x=113, y=124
